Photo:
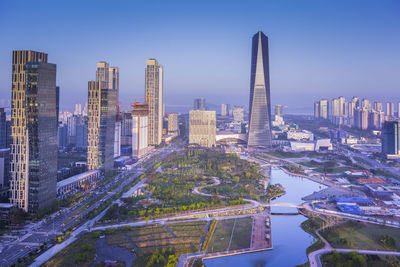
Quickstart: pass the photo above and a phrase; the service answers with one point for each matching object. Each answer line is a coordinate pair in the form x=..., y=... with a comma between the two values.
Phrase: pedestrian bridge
x=283, y=204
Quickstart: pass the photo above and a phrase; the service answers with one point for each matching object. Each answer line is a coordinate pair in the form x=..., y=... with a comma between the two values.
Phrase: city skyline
x=306, y=58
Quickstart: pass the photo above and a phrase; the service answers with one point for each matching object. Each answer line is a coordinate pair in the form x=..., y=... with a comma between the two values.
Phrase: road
x=34, y=234
x=129, y=176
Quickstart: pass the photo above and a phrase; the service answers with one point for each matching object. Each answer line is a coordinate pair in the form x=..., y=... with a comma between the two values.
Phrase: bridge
x=283, y=204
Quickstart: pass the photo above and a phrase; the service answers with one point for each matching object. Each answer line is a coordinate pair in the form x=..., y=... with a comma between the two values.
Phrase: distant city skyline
x=318, y=49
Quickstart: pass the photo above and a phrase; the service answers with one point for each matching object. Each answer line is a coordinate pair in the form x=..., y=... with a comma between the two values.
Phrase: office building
x=238, y=113
x=361, y=118
x=391, y=138
x=202, y=127
x=33, y=153
x=140, y=129
x=102, y=103
x=3, y=129
x=4, y=167
x=259, y=134
x=81, y=134
x=154, y=98
x=173, y=125
x=126, y=128
x=224, y=110
x=199, y=104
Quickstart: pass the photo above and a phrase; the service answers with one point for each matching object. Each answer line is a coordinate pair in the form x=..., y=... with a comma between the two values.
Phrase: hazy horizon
x=317, y=49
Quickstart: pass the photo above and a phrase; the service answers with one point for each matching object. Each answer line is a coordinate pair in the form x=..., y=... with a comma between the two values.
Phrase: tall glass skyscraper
x=259, y=134
x=34, y=131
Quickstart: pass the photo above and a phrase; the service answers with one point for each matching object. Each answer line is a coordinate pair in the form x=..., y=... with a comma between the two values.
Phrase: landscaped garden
x=170, y=184
x=363, y=236
x=152, y=245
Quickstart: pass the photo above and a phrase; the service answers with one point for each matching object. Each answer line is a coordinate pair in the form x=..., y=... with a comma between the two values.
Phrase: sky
x=317, y=48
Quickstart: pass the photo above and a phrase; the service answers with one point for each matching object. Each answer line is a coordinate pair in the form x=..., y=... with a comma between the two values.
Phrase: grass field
x=221, y=237
x=67, y=256
x=155, y=244
x=361, y=236
x=223, y=231
x=242, y=233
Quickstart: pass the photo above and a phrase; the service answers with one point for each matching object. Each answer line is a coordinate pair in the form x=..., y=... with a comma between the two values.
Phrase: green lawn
x=221, y=237
x=361, y=236
x=242, y=233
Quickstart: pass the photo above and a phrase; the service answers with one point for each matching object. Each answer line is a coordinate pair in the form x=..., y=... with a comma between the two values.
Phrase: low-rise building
x=202, y=127
x=76, y=182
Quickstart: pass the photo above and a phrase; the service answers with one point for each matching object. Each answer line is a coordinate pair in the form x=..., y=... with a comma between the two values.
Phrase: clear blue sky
x=317, y=48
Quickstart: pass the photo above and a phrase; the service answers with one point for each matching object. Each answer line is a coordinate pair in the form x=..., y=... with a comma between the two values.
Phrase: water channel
x=288, y=239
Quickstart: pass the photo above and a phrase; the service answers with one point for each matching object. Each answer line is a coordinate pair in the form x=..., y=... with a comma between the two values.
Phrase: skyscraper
x=102, y=103
x=34, y=131
x=154, y=98
x=259, y=134
x=199, y=104
x=3, y=129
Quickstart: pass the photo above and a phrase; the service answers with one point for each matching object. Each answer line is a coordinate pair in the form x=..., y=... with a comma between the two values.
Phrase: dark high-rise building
x=33, y=131
x=199, y=104
x=58, y=102
x=391, y=138
x=3, y=129
x=4, y=167
x=259, y=134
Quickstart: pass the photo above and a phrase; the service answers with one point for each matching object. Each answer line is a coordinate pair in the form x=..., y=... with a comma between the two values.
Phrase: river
x=288, y=239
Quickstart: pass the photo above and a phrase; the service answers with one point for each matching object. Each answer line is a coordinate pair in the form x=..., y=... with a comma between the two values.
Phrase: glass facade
x=259, y=134
x=33, y=167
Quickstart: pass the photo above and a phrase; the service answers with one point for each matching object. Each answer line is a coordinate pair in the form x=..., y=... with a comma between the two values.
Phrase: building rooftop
x=76, y=178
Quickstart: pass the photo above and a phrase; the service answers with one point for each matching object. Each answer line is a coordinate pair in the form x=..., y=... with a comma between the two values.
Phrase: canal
x=288, y=239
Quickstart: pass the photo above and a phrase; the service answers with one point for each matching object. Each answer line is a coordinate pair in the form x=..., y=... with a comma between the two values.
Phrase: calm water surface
x=288, y=239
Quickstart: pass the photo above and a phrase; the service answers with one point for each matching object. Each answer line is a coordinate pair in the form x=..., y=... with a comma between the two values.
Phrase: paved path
x=317, y=261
